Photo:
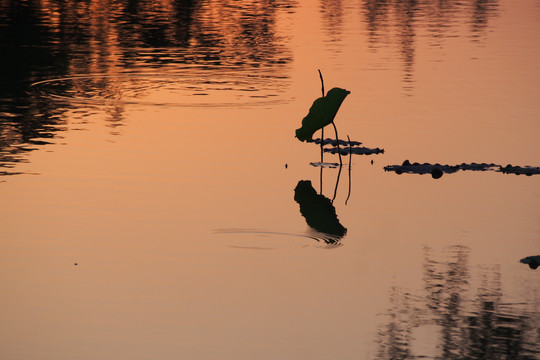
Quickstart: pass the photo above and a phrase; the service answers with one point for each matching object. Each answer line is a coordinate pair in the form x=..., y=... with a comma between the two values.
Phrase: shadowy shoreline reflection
x=58, y=40
x=399, y=24
x=463, y=321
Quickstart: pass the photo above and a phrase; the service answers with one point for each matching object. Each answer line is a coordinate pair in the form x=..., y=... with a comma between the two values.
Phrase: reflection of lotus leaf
x=532, y=261
x=322, y=113
x=318, y=210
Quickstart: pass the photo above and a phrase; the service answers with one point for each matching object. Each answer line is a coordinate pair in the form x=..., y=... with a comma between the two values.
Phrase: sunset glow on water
x=156, y=203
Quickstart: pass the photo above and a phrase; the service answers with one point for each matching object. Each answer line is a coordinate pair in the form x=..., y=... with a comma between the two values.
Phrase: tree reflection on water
x=397, y=23
x=468, y=326
x=58, y=39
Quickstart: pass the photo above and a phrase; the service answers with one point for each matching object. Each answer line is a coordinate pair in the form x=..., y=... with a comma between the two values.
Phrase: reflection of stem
x=337, y=141
x=337, y=183
x=350, y=161
x=320, y=180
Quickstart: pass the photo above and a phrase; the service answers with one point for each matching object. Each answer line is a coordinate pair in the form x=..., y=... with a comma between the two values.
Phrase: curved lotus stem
x=322, y=129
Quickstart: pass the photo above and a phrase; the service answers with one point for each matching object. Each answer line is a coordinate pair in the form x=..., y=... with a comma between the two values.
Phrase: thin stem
x=322, y=149
x=322, y=82
x=337, y=141
x=322, y=129
x=350, y=161
x=320, y=180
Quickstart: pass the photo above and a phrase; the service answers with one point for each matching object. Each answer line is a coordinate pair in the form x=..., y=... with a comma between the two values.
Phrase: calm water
x=156, y=205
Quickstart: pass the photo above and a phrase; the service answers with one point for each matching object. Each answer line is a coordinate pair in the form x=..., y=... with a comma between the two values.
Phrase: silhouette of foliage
x=322, y=113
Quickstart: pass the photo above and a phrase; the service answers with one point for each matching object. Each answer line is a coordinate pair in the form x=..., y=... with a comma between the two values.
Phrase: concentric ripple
x=187, y=88
x=253, y=239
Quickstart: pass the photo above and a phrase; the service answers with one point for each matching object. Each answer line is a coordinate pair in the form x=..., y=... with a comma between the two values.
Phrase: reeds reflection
x=466, y=319
x=228, y=46
x=399, y=23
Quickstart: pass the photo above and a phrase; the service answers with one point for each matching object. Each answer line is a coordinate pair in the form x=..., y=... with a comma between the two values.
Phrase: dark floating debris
x=518, y=170
x=6, y=173
x=333, y=142
x=438, y=170
x=360, y=150
x=346, y=147
x=324, y=164
x=532, y=261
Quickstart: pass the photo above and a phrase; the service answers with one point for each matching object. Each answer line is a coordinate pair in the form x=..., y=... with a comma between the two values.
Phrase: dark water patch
x=437, y=170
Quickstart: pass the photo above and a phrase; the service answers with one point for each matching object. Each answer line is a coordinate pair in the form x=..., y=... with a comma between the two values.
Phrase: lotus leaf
x=322, y=112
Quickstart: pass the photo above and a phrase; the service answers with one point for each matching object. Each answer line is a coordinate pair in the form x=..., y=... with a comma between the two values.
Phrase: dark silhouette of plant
x=322, y=113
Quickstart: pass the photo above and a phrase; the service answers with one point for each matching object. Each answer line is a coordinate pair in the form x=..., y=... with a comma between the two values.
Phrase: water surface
x=155, y=203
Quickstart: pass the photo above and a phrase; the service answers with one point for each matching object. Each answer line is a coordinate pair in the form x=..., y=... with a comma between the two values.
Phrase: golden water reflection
x=163, y=136
x=468, y=318
x=112, y=53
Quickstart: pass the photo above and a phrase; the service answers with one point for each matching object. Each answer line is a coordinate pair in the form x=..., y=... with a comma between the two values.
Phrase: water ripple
x=188, y=88
x=254, y=239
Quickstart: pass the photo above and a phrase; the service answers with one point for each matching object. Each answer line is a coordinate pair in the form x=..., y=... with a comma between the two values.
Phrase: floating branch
x=358, y=150
x=519, y=170
x=333, y=142
x=324, y=165
x=437, y=170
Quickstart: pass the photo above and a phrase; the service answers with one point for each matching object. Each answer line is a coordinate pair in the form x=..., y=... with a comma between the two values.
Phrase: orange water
x=160, y=221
